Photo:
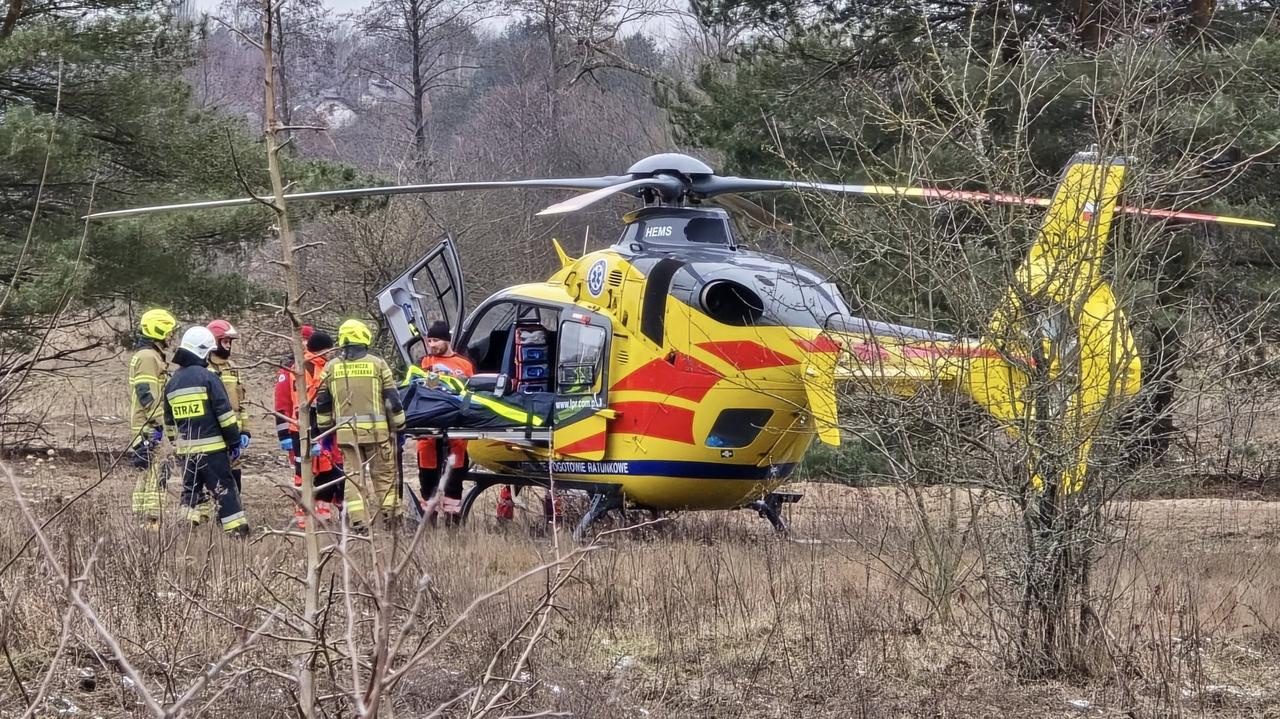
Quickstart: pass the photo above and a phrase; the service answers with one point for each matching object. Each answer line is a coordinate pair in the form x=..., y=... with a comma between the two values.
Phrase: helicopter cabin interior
x=517, y=345
x=522, y=347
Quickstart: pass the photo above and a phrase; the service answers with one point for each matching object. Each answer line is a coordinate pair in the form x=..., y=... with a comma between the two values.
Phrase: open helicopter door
x=582, y=385
x=429, y=290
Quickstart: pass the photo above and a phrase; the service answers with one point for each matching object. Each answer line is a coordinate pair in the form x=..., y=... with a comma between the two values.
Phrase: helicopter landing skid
x=770, y=507
x=485, y=480
x=601, y=504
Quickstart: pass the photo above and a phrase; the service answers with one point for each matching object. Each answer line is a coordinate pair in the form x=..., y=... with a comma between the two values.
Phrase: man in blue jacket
x=206, y=432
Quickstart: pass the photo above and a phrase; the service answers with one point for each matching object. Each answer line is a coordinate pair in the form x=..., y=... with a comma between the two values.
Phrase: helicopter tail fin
x=1059, y=322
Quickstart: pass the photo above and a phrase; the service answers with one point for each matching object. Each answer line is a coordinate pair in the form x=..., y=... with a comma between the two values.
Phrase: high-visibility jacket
x=286, y=405
x=459, y=367
x=197, y=407
x=358, y=394
x=454, y=364
x=146, y=380
x=286, y=395
x=230, y=376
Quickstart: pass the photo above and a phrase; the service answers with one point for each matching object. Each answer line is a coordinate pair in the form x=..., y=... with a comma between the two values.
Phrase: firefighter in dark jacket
x=206, y=432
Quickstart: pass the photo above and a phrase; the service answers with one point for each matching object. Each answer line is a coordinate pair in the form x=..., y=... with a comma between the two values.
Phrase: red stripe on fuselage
x=821, y=343
x=746, y=355
x=653, y=419
x=682, y=376
x=594, y=443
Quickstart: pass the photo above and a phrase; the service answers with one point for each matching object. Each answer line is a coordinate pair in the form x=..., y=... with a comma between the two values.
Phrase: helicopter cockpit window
x=582, y=347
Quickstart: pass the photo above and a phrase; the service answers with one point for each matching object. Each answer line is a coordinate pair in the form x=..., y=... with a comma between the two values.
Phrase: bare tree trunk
x=419, y=88
x=1202, y=13
x=311, y=600
x=552, y=20
x=286, y=107
x=1089, y=22
x=11, y=18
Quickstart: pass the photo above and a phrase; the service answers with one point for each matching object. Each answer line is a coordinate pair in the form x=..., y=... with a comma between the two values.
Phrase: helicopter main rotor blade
x=716, y=186
x=572, y=183
x=1195, y=217
x=754, y=212
x=667, y=186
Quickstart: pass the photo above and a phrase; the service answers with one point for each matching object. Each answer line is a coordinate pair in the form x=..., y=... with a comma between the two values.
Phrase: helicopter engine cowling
x=731, y=303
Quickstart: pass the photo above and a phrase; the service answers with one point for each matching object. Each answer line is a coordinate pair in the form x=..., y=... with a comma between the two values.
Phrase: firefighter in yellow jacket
x=146, y=416
x=220, y=364
x=358, y=395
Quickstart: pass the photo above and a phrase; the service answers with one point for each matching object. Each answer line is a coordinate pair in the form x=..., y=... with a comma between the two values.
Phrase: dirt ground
x=711, y=615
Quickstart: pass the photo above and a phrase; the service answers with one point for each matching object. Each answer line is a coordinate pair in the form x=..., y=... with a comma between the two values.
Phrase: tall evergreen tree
x=92, y=102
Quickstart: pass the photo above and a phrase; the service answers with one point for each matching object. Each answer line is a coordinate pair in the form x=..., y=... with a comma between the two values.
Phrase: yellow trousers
x=371, y=478
x=148, y=495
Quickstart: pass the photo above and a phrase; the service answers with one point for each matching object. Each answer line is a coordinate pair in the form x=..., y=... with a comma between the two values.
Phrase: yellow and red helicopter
x=690, y=373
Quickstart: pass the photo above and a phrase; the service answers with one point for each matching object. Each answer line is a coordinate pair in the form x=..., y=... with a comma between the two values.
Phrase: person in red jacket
x=432, y=454
x=326, y=466
x=286, y=429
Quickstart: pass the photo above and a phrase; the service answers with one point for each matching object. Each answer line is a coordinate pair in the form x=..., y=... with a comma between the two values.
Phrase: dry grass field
x=710, y=616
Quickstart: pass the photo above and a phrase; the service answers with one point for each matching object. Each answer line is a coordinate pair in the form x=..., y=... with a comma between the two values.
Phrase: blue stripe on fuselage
x=659, y=468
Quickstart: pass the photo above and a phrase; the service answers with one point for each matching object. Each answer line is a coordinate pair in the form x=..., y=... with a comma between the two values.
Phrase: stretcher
x=520, y=436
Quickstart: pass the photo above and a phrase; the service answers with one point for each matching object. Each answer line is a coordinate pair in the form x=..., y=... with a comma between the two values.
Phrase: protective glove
x=315, y=449
x=244, y=440
x=235, y=453
x=287, y=444
x=401, y=438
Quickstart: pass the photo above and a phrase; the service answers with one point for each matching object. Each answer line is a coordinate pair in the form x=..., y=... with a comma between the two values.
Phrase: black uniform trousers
x=209, y=475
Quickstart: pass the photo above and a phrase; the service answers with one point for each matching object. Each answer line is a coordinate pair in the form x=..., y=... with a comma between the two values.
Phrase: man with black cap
x=433, y=455
x=326, y=467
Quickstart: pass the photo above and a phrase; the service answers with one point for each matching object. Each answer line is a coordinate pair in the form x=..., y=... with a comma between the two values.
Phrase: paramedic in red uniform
x=326, y=467
x=434, y=455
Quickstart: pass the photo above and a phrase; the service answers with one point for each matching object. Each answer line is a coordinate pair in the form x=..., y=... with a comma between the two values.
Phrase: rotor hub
x=670, y=163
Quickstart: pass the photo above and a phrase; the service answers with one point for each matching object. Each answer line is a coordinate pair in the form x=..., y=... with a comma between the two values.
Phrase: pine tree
x=94, y=87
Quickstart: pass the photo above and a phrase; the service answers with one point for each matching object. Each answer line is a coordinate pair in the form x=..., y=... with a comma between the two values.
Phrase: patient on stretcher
x=441, y=401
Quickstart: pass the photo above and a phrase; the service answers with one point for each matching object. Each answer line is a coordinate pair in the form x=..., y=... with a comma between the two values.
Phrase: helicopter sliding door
x=429, y=290
x=582, y=386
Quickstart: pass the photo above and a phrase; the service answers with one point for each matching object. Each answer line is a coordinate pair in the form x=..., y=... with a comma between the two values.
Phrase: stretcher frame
x=523, y=436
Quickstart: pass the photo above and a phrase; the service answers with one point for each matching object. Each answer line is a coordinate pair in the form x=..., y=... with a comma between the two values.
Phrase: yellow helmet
x=157, y=324
x=354, y=332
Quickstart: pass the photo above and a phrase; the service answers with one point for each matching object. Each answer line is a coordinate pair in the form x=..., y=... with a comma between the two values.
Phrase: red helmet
x=223, y=329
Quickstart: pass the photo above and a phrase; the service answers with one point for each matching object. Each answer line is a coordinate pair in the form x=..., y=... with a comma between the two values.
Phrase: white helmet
x=198, y=341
